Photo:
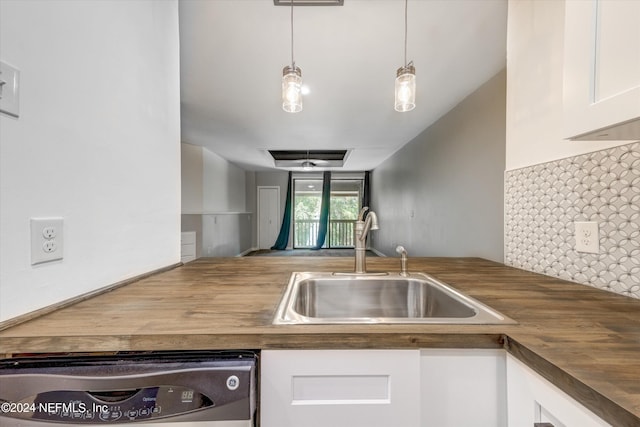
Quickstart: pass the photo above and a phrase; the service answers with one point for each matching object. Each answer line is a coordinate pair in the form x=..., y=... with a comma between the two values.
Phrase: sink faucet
x=361, y=230
x=403, y=261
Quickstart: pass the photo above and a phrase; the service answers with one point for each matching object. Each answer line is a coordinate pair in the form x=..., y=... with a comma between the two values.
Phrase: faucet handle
x=401, y=250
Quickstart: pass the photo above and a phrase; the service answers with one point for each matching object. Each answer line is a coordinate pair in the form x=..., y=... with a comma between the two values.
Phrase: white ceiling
x=233, y=52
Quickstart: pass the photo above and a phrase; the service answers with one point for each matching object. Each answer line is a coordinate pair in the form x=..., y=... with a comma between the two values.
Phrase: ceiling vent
x=303, y=158
x=309, y=2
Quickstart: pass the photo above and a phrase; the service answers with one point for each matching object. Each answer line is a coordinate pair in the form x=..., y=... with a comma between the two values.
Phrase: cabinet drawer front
x=188, y=237
x=188, y=250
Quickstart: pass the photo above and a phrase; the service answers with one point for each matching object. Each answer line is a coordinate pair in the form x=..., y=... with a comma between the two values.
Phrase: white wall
x=223, y=186
x=97, y=143
x=442, y=193
x=210, y=183
x=192, y=185
x=535, y=56
x=214, y=203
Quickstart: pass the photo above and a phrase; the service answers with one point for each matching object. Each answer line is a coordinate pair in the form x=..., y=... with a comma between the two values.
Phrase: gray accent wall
x=442, y=193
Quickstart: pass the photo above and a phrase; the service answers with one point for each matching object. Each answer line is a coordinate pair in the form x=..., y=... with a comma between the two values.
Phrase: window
x=345, y=204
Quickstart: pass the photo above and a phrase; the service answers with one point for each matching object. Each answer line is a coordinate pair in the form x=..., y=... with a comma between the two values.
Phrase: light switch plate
x=587, y=238
x=9, y=90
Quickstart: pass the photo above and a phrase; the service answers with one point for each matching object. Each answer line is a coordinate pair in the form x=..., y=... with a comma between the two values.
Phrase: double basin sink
x=344, y=298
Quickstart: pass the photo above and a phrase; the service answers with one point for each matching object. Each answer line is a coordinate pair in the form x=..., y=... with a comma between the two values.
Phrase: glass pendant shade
x=406, y=88
x=291, y=89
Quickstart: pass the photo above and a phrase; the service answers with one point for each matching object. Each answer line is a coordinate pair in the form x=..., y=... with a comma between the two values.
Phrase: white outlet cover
x=587, y=237
x=46, y=240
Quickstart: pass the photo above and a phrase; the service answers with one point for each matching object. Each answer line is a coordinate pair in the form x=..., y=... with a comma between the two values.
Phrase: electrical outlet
x=46, y=240
x=49, y=246
x=49, y=233
x=587, y=237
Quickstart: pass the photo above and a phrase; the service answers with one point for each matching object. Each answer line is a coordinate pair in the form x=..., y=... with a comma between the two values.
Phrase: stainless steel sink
x=388, y=298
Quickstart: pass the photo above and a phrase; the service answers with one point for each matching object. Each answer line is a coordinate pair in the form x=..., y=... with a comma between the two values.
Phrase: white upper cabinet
x=602, y=70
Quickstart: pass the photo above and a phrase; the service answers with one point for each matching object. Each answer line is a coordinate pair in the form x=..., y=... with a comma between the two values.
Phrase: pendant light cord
x=406, y=2
x=293, y=63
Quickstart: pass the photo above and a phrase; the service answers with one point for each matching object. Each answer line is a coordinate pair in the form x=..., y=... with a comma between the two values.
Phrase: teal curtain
x=366, y=196
x=283, y=236
x=324, y=209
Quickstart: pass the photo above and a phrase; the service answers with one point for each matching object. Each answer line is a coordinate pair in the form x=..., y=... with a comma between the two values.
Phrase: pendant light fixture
x=292, y=82
x=405, y=77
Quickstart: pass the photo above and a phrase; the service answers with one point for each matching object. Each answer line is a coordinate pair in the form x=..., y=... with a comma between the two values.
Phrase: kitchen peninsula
x=583, y=340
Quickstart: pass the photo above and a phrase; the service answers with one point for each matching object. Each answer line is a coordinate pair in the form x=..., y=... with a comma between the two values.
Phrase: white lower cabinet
x=187, y=246
x=532, y=399
x=463, y=388
x=383, y=388
x=410, y=388
x=340, y=388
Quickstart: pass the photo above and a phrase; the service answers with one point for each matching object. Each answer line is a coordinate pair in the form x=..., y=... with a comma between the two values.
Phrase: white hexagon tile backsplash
x=542, y=202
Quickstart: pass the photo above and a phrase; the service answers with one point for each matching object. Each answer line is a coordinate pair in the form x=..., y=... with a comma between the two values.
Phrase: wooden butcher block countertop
x=585, y=341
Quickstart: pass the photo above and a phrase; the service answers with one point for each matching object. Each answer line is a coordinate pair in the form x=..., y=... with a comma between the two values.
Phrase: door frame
x=261, y=187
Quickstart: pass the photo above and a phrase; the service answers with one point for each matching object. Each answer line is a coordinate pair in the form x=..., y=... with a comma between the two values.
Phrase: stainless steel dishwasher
x=190, y=389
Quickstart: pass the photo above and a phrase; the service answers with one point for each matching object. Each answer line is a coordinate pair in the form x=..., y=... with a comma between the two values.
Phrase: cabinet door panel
x=534, y=399
x=340, y=388
x=602, y=70
x=463, y=387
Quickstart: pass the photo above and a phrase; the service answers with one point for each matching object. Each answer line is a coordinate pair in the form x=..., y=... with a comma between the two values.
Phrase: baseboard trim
x=9, y=323
x=241, y=254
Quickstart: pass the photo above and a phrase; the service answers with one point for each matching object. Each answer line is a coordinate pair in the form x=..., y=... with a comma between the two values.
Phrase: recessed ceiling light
x=296, y=158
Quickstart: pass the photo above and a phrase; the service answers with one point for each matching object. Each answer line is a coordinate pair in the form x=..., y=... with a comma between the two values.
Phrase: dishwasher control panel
x=112, y=406
x=129, y=389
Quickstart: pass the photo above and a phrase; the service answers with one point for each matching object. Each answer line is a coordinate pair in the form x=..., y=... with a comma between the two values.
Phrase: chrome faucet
x=403, y=261
x=361, y=230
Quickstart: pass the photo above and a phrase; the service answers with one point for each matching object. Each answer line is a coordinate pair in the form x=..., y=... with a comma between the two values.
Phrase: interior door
x=268, y=216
